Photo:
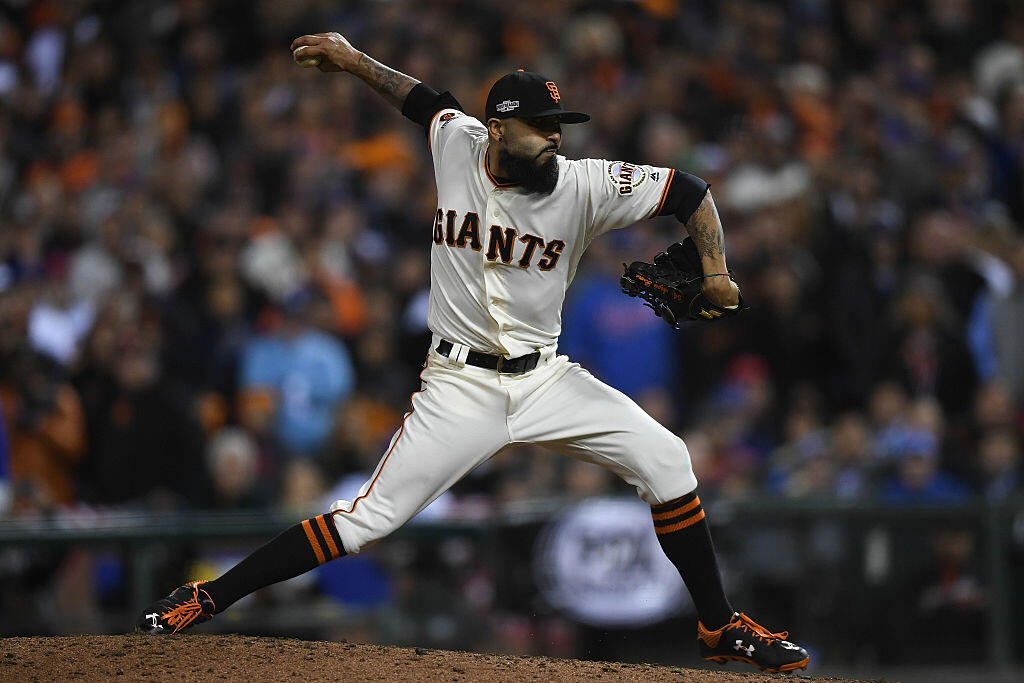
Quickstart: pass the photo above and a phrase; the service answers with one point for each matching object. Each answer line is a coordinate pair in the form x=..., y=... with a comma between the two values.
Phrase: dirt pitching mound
x=245, y=658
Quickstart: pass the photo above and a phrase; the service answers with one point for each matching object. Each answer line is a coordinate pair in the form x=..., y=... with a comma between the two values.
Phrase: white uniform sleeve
x=623, y=193
x=446, y=125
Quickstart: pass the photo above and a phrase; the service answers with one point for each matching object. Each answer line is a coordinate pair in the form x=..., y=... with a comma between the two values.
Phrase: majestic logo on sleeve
x=507, y=105
x=553, y=89
x=625, y=176
x=503, y=243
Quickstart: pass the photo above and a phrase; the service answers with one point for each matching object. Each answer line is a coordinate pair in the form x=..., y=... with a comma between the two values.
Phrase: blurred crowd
x=213, y=263
x=213, y=280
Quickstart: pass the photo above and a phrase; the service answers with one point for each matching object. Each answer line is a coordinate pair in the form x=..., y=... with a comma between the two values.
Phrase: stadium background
x=213, y=281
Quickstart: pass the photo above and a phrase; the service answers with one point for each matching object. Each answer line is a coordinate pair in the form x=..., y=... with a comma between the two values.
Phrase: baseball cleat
x=186, y=606
x=744, y=640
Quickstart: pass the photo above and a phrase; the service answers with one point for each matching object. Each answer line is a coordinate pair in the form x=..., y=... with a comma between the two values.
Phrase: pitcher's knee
x=360, y=525
x=667, y=471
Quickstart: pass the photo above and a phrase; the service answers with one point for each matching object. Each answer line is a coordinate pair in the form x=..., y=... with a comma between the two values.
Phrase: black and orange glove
x=674, y=286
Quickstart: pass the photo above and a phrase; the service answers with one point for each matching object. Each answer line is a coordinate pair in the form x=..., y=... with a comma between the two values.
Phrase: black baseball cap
x=525, y=94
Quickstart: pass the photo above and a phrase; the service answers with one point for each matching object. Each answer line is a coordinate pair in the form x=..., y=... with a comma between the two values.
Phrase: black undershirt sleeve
x=685, y=193
x=423, y=102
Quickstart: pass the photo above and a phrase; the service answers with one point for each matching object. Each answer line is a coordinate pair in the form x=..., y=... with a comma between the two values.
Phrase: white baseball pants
x=463, y=415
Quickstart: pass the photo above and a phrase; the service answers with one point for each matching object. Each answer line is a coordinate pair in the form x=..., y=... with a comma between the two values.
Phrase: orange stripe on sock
x=674, y=503
x=658, y=516
x=327, y=537
x=680, y=525
x=313, y=542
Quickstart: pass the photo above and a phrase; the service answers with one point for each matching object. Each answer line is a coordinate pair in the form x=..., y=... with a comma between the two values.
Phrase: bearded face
x=536, y=174
x=529, y=155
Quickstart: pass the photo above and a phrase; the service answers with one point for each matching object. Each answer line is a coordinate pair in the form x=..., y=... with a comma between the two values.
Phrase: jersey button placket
x=491, y=269
x=493, y=212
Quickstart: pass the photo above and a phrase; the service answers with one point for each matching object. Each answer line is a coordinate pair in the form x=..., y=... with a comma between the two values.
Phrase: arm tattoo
x=705, y=228
x=392, y=85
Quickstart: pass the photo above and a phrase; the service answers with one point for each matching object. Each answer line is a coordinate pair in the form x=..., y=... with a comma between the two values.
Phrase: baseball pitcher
x=513, y=220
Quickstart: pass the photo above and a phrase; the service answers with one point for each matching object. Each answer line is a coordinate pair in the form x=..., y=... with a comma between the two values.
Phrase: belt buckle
x=501, y=362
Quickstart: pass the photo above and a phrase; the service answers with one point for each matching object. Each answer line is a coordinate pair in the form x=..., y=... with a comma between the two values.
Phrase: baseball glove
x=673, y=286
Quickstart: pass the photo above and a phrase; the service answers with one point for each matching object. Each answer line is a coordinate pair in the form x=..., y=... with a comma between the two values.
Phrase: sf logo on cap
x=553, y=89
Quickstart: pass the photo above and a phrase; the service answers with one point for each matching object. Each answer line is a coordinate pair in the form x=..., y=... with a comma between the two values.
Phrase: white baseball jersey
x=502, y=258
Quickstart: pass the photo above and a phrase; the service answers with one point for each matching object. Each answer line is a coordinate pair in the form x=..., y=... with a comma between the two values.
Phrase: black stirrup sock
x=684, y=536
x=294, y=551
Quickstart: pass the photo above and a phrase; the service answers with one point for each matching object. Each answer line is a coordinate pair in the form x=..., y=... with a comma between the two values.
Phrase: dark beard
x=525, y=171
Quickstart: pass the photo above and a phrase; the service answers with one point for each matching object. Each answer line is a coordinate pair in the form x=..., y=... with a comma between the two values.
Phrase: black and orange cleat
x=186, y=606
x=744, y=640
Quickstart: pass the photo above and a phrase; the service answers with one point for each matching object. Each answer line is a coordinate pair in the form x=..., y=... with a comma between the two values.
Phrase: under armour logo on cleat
x=153, y=618
x=749, y=649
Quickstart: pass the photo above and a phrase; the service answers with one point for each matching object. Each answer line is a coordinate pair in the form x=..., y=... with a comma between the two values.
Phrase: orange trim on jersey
x=664, y=193
x=430, y=126
x=327, y=536
x=658, y=516
x=680, y=525
x=487, y=170
x=313, y=542
x=388, y=455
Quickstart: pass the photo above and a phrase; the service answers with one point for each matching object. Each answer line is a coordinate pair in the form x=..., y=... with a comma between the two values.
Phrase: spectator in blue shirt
x=918, y=479
x=306, y=373
x=613, y=336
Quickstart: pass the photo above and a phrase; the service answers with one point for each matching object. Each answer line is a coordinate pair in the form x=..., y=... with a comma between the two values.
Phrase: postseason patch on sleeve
x=447, y=117
x=625, y=176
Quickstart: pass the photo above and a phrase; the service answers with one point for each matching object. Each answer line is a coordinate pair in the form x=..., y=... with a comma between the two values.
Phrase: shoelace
x=184, y=614
x=748, y=624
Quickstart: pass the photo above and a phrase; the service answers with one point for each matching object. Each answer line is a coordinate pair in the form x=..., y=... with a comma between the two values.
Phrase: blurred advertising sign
x=600, y=562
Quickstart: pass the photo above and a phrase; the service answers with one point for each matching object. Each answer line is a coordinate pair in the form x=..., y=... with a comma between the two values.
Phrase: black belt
x=512, y=366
